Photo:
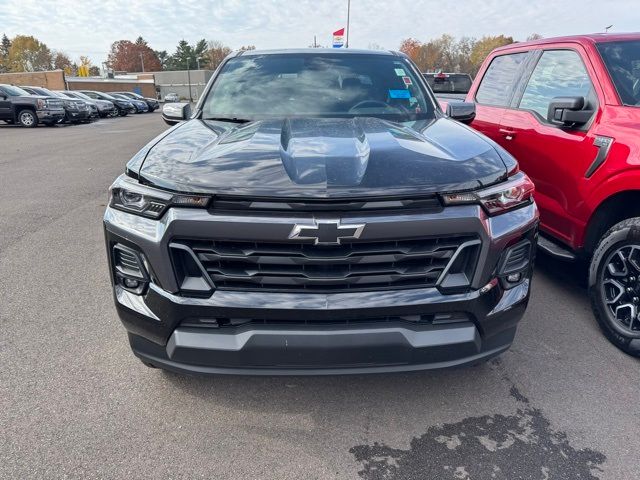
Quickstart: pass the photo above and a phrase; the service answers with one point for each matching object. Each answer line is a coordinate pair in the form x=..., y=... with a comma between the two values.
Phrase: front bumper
x=319, y=333
x=78, y=115
x=50, y=115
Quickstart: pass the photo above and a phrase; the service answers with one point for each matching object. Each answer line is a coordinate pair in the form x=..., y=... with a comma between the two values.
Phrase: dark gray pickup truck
x=19, y=107
x=319, y=214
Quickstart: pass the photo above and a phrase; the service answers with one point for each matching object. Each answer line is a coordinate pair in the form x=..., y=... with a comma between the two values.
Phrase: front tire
x=614, y=285
x=28, y=118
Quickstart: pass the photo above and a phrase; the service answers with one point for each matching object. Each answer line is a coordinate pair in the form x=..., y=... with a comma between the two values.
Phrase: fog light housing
x=129, y=270
x=514, y=264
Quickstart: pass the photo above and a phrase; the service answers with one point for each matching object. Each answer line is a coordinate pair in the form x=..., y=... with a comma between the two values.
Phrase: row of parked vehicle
x=30, y=106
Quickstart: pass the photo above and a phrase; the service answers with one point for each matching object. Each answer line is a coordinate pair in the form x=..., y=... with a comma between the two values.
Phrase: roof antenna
x=606, y=29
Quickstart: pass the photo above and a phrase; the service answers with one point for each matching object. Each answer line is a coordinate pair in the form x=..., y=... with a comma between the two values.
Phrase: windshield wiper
x=229, y=119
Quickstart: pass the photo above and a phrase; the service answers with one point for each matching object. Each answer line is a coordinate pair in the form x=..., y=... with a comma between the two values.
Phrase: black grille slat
x=416, y=319
x=292, y=266
x=347, y=260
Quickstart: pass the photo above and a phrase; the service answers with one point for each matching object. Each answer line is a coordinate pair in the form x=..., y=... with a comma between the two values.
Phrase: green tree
x=163, y=58
x=186, y=55
x=5, y=45
x=28, y=54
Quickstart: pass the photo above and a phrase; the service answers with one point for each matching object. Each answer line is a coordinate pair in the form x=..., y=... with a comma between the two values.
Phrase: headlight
x=40, y=104
x=515, y=192
x=128, y=195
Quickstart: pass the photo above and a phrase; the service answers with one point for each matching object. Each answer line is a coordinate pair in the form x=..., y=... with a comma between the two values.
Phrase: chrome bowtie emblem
x=326, y=232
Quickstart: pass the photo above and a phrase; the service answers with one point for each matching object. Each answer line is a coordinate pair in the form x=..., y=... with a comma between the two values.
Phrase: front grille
x=289, y=266
x=54, y=103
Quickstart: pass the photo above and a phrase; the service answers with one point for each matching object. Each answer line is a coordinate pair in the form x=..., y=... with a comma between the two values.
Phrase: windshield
x=623, y=63
x=42, y=91
x=319, y=85
x=105, y=96
x=78, y=95
x=14, y=91
x=449, y=82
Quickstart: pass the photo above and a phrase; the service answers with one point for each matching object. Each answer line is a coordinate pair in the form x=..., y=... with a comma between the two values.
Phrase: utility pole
x=315, y=45
x=346, y=45
x=189, y=81
x=142, y=61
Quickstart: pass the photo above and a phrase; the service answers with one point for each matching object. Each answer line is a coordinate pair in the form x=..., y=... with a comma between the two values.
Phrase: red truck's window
x=498, y=81
x=623, y=63
x=559, y=73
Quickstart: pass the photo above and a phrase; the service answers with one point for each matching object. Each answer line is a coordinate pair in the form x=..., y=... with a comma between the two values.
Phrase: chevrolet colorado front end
x=318, y=213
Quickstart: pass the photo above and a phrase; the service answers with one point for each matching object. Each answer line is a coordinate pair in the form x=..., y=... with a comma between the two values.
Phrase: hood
x=320, y=158
x=41, y=97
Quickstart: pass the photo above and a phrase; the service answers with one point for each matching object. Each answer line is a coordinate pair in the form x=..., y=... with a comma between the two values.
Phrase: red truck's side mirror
x=568, y=111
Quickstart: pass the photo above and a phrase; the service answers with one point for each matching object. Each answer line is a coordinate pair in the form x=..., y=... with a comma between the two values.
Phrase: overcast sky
x=89, y=27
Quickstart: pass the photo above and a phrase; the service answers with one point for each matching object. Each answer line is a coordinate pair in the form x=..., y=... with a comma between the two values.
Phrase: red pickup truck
x=568, y=109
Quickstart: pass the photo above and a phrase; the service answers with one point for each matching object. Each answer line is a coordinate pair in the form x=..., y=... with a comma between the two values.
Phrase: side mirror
x=568, y=111
x=3, y=96
x=463, y=112
x=173, y=113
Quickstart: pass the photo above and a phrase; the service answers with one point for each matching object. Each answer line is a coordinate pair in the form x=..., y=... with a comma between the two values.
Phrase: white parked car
x=171, y=97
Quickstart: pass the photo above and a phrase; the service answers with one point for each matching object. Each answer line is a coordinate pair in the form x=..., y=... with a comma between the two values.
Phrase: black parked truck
x=18, y=106
x=76, y=111
x=318, y=213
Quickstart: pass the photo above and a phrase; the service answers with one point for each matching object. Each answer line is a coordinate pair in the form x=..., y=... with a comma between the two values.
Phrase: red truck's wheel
x=614, y=285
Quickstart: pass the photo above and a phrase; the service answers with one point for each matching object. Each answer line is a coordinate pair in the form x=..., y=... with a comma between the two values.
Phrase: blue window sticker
x=399, y=94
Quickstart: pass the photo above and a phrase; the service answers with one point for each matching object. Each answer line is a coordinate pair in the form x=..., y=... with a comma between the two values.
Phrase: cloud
x=83, y=27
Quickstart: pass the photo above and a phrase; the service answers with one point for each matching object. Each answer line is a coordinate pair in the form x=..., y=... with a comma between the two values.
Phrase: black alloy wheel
x=614, y=285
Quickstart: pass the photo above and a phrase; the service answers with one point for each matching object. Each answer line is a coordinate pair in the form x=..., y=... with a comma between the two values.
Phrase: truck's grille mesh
x=306, y=267
x=52, y=103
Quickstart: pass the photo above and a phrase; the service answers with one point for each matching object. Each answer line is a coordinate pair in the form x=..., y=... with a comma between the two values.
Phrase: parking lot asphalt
x=562, y=403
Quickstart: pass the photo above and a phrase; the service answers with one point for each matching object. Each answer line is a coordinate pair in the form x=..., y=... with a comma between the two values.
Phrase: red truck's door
x=555, y=158
x=495, y=91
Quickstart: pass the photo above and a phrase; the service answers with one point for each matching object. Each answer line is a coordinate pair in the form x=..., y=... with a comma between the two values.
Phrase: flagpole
x=348, y=13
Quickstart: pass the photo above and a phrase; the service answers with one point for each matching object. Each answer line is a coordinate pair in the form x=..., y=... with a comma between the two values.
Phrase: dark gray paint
x=321, y=158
